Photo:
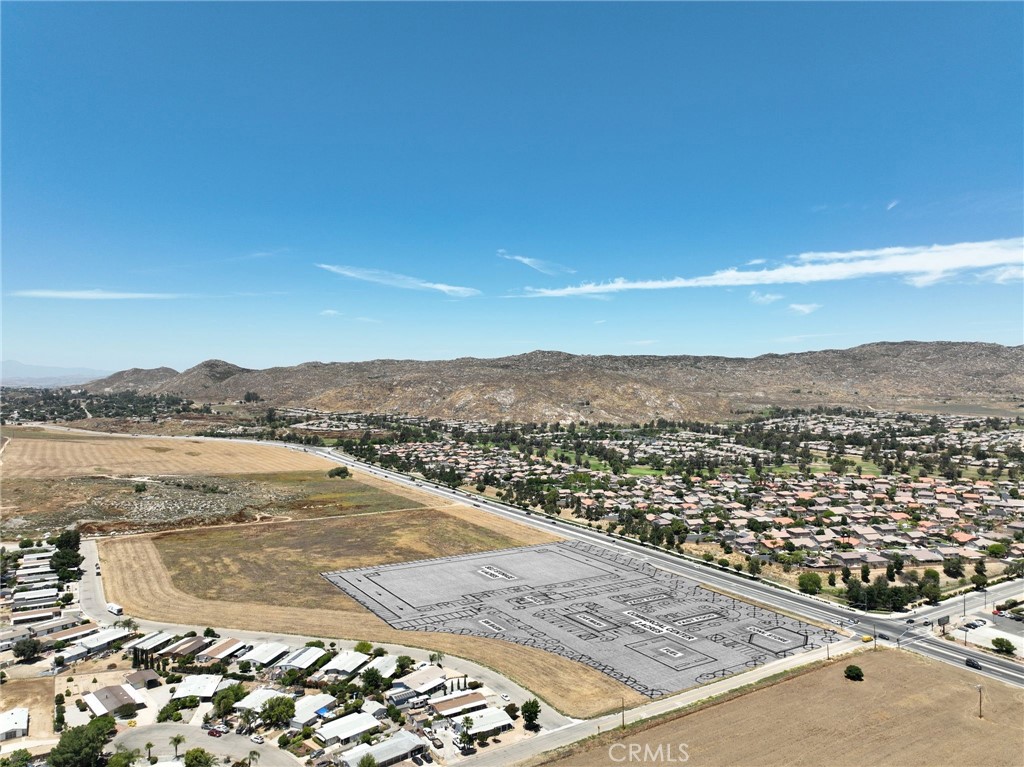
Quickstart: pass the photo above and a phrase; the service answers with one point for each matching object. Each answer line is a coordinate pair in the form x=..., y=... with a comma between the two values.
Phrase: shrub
x=854, y=673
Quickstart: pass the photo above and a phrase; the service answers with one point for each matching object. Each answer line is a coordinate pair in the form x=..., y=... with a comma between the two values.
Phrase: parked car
x=214, y=733
x=257, y=739
x=973, y=663
x=980, y=621
x=222, y=728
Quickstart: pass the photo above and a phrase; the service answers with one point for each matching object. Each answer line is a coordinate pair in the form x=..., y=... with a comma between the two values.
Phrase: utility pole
x=979, y=701
x=623, y=701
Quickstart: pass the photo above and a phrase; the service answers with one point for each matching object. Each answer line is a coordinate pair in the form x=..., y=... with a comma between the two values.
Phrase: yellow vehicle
x=866, y=638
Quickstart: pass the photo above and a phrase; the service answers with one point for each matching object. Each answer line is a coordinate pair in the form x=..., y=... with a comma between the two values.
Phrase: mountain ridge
x=546, y=385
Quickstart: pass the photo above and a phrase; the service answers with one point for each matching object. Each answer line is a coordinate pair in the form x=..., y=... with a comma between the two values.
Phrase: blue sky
x=276, y=183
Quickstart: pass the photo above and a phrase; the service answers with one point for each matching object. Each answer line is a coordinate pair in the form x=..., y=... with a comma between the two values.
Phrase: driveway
x=235, y=746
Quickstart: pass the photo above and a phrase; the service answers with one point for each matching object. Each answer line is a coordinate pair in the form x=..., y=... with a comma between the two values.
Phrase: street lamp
x=979, y=700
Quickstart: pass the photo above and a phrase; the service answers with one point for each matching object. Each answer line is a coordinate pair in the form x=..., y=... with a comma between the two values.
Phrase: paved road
x=546, y=741
x=917, y=639
x=913, y=637
x=235, y=746
x=94, y=605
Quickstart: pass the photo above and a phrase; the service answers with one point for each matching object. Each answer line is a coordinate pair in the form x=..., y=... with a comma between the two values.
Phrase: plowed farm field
x=37, y=456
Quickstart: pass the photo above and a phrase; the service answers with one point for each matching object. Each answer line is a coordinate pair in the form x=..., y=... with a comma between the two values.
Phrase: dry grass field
x=908, y=712
x=32, y=455
x=37, y=696
x=267, y=577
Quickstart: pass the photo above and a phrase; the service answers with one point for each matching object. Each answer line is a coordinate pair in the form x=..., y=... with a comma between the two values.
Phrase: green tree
x=979, y=567
x=364, y=647
x=953, y=567
x=253, y=757
x=199, y=757
x=832, y=579
x=512, y=710
x=404, y=664
x=367, y=760
x=19, y=758
x=177, y=740
x=865, y=573
x=27, y=649
x=854, y=673
x=1004, y=646
x=437, y=658
x=846, y=574
x=81, y=746
x=225, y=700
x=979, y=580
x=278, y=711
x=372, y=680
x=465, y=739
x=341, y=472
x=123, y=757
x=810, y=583
x=890, y=572
x=531, y=711
x=149, y=750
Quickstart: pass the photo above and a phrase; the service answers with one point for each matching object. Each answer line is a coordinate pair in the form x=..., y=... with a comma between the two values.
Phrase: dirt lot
x=31, y=455
x=266, y=577
x=238, y=562
x=908, y=712
x=33, y=506
x=37, y=696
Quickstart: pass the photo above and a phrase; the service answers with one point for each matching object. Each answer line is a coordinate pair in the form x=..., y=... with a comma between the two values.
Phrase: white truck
x=114, y=608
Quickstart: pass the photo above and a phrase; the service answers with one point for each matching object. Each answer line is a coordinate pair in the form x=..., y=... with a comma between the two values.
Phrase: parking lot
x=651, y=630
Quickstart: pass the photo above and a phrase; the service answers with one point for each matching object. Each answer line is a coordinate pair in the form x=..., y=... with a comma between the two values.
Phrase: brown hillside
x=554, y=386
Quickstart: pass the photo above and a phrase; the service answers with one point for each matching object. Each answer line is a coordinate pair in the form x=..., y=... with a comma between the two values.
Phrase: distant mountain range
x=554, y=386
x=14, y=373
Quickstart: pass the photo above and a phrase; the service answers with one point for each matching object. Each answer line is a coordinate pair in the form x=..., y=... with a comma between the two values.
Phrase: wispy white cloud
x=918, y=265
x=394, y=280
x=545, y=267
x=892, y=204
x=600, y=322
x=96, y=295
x=804, y=308
x=1003, y=274
x=754, y=262
x=764, y=298
x=330, y=313
x=367, y=319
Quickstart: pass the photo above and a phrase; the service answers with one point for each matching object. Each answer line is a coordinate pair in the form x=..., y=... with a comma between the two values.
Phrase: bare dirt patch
x=37, y=696
x=909, y=711
x=71, y=455
x=135, y=575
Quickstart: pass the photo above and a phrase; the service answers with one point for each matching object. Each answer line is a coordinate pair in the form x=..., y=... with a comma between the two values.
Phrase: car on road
x=505, y=697
x=910, y=620
x=973, y=663
x=257, y=739
x=866, y=638
x=885, y=636
x=214, y=733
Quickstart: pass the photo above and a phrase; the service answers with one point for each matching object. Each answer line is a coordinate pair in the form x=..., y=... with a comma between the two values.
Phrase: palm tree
x=253, y=757
x=149, y=750
x=176, y=741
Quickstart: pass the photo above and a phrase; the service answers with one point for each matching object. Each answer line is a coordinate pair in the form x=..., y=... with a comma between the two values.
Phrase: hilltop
x=556, y=386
